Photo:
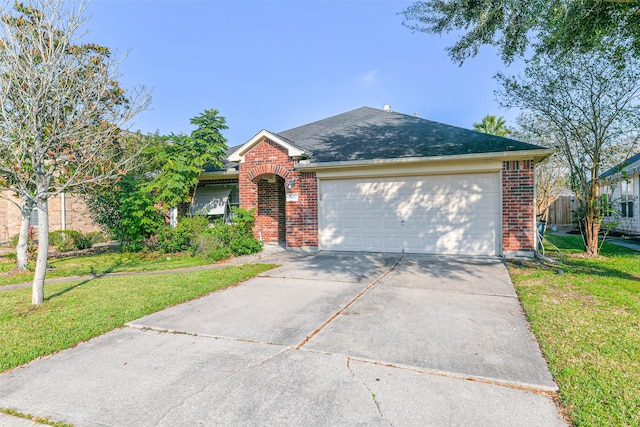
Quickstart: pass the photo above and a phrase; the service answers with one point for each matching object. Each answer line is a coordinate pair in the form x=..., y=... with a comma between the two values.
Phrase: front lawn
x=79, y=310
x=112, y=262
x=587, y=321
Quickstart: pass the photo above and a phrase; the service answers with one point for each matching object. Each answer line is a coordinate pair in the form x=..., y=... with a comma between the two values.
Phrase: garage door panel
x=369, y=222
x=454, y=214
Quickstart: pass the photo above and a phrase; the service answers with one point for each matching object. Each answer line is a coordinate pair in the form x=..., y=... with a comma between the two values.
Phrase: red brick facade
x=271, y=219
x=518, y=204
x=74, y=210
x=266, y=177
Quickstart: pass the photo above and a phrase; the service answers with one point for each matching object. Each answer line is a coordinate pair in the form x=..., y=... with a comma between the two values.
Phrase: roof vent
x=387, y=108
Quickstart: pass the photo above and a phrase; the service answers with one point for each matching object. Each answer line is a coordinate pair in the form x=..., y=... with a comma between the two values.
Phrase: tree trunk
x=37, y=295
x=22, y=249
x=591, y=231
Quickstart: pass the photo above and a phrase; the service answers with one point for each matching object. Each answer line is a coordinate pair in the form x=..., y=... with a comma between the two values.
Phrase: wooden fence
x=560, y=211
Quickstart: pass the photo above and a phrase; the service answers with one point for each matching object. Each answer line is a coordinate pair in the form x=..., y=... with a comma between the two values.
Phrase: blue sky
x=279, y=64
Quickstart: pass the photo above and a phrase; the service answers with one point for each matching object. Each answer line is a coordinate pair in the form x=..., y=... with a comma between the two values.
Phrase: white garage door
x=441, y=214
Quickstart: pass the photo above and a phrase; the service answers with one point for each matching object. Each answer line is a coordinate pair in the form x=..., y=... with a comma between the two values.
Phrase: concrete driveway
x=326, y=339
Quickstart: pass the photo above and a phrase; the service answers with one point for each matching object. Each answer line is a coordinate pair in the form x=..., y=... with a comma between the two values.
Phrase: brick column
x=300, y=228
x=518, y=208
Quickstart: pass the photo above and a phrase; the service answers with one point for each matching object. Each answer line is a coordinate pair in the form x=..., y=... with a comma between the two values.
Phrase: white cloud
x=369, y=79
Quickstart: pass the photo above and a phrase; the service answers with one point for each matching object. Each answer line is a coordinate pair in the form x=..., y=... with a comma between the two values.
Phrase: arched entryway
x=271, y=218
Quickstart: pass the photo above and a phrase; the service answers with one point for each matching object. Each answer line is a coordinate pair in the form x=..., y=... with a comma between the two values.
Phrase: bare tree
x=551, y=175
x=61, y=112
x=591, y=106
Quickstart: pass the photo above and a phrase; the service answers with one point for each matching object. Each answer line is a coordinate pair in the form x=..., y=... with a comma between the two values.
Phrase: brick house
x=376, y=180
x=65, y=213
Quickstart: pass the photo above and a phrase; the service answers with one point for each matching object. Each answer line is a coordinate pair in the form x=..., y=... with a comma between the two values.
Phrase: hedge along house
x=380, y=181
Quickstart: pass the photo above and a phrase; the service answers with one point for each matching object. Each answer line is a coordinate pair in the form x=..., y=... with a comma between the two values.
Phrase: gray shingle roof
x=627, y=164
x=226, y=164
x=369, y=134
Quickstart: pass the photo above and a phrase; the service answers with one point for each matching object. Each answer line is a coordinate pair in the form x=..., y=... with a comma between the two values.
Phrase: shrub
x=215, y=242
x=239, y=236
x=183, y=237
x=209, y=246
x=244, y=218
x=244, y=244
x=127, y=213
x=96, y=237
x=218, y=254
x=32, y=240
x=68, y=240
x=224, y=240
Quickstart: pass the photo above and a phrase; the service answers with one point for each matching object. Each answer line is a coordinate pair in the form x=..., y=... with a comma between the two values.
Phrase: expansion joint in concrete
x=196, y=334
x=347, y=305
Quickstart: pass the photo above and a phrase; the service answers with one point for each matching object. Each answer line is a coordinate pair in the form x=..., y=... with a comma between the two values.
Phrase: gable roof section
x=631, y=165
x=292, y=148
x=368, y=134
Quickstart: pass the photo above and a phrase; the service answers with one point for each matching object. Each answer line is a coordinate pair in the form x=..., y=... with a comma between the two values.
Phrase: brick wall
x=518, y=204
x=263, y=180
x=302, y=222
x=270, y=215
x=264, y=184
x=76, y=216
x=9, y=218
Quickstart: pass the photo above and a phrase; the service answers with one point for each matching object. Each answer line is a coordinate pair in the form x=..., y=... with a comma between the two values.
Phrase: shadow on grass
x=597, y=266
x=94, y=275
x=104, y=268
x=70, y=288
x=585, y=266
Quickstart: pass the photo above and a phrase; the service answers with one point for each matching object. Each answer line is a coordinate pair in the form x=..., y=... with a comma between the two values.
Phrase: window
x=210, y=201
x=607, y=208
x=215, y=200
x=234, y=197
x=33, y=219
x=626, y=199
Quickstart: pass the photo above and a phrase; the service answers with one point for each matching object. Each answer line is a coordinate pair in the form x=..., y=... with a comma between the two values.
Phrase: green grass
x=33, y=418
x=104, y=263
x=79, y=310
x=587, y=322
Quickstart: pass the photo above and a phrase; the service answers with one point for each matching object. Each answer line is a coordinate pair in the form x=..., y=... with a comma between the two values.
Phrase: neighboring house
x=65, y=213
x=374, y=180
x=622, y=195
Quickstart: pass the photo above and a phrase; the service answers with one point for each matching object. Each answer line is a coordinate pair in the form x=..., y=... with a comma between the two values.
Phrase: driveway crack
x=373, y=395
x=230, y=374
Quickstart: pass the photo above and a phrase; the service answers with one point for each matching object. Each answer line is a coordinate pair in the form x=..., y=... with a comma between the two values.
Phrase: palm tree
x=494, y=126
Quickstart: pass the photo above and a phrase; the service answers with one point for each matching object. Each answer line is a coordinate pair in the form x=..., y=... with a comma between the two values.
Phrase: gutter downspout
x=63, y=212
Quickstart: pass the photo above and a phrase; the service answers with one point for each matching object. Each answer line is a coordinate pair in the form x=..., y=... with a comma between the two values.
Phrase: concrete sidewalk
x=626, y=243
x=269, y=252
x=326, y=339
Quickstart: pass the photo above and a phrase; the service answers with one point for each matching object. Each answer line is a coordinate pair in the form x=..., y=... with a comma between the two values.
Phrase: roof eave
x=292, y=150
x=221, y=174
x=536, y=155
